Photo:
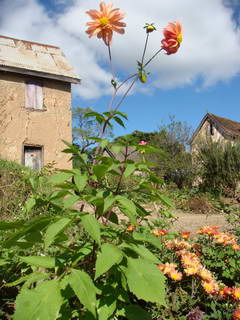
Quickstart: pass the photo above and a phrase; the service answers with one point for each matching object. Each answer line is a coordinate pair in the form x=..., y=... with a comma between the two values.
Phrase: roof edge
x=198, y=128
x=31, y=42
x=40, y=74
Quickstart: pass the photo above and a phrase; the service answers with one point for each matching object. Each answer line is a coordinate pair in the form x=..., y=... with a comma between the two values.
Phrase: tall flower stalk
x=104, y=23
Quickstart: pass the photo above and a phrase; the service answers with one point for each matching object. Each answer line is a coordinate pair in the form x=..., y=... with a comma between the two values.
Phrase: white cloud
x=210, y=49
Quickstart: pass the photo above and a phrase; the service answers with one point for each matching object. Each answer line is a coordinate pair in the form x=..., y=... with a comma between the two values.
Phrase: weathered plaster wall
x=203, y=135
x=47, y=128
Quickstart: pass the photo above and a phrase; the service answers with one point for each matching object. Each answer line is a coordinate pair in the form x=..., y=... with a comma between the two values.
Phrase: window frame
x=34, y=87
x=33, y=146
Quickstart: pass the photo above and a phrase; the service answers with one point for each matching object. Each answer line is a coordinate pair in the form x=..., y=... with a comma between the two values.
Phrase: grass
x=15, y=188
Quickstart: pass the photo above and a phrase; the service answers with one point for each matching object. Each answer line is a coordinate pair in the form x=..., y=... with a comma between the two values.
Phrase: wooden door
x=33, y=157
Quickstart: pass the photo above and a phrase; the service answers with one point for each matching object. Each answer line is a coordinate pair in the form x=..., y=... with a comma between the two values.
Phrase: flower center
x=179, y=37
x=104, y=21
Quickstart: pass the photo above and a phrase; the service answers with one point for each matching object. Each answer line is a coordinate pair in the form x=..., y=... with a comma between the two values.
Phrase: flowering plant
x=81, y=261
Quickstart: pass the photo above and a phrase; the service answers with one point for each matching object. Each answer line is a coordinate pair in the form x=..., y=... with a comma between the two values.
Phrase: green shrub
x=219, y=166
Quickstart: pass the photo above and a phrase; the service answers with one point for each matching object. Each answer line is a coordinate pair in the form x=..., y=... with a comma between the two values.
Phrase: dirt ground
x=192, y=222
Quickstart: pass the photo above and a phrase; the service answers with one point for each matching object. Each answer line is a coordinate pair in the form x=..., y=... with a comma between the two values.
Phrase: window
x=33, y=157
x=210, y=129
x=34, y=95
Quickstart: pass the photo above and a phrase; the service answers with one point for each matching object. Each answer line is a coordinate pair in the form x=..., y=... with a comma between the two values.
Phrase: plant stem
x=110, y=62
x=145, y=47
x=125, y=94
x=152, y=58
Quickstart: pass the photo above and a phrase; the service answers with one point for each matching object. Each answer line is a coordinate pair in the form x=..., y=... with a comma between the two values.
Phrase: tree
x=84, y=128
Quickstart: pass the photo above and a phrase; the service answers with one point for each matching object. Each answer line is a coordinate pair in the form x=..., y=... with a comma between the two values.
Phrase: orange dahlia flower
x=105, y=22
x=172, y=37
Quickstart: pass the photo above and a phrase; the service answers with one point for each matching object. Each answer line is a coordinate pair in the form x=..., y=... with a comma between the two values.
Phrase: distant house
x=35, y=103
x=217, y=128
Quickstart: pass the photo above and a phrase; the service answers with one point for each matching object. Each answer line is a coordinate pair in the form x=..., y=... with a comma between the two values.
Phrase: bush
x=16, y=187
x=219, y=166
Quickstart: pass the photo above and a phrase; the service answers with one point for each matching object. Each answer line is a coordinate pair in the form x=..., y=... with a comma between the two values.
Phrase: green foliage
x=81, y=254
x=171, y=159
x=43, y=302
x=219, y=166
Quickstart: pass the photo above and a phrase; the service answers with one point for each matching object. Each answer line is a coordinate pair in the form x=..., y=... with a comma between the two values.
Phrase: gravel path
x=192, y=222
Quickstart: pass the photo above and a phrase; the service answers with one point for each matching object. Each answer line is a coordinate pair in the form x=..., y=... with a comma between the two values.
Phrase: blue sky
x=202, y=77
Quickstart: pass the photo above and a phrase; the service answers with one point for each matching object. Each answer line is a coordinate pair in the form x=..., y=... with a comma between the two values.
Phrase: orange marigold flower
x=175, y=275
x=185, y=234
x=159, y=232
x=167, y=267
x=236, y=293
x=131, y=228
x=177, y=244
x=205, y=274
x=191, y=270
x=210, y=287
x=225, y=292
x=236, y=246
x=236, y=314
x=210, y=230
x=172, y=37
x=105, y=22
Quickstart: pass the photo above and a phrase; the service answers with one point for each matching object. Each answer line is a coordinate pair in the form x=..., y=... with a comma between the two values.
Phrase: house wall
x=204, y=134
x=47, y=128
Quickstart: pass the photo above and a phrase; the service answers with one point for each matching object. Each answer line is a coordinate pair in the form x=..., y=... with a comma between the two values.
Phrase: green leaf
x=108, y=256
x=119, y=121
x=39, y=261
x=122, y=114
x=69, y=201
x=147, y=237
x=84, y=288
x=130, y=168
x=11, y=225
x=128, y=207
x=3, y=262
x=107, y=306
x=60, y=177
x=92, y=226
x=166, y=201
x=54, y=229
x=31, y=278
x=127, y=203
x=143, y=252
x=108, y=202
x=104, y=143
x=35, y=225
x=42, y=303
x=100, y=170
x=30, y=204
x=145, y=280
x=134, y=312
x=80, y=181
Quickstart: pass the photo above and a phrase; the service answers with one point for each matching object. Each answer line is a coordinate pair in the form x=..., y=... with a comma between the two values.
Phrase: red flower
x=172, y=37
x=185, y=234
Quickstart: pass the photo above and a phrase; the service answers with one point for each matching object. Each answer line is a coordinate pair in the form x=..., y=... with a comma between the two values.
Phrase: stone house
x=217, y=129
x=35, y=103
